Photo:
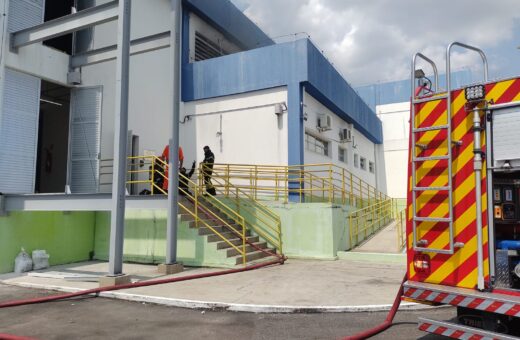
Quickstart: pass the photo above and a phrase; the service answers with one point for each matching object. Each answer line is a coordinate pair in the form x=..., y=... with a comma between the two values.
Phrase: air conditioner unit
x=324, y=122
x=345, y=135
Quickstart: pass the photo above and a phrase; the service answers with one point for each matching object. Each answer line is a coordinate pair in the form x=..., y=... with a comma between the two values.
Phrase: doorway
x=53, y=138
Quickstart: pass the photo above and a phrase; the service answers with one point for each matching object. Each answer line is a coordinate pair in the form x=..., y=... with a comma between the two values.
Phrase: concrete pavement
x=355, y=282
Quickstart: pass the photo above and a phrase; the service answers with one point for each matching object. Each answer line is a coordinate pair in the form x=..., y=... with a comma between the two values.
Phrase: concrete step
x=210, y=221
x=185, y=216
x=219, y=228
x=206, y=212
x=236, y=241
x=253, y=256
x=249, y=249
x=227, y=235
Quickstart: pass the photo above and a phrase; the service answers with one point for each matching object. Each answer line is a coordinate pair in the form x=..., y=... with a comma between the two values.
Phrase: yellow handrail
x=264, y=217
x=368, y=220
x=400, y=213
x=157, y=170
x=331, y=182
x=199, y=205
x=247, y=184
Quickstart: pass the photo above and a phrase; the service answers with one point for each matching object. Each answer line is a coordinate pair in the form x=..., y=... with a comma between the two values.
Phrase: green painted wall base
x=309, y=230
x=313, y=230
x=67, y=237
x=145, y=241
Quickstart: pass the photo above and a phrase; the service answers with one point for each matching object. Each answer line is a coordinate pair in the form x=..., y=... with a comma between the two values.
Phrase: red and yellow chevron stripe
x=487, y=302
x=459, y=269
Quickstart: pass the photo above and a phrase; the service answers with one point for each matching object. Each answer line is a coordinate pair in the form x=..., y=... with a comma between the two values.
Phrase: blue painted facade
x=289, y=64
x=297, y=65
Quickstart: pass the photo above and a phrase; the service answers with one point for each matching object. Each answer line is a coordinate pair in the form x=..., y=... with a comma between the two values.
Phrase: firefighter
x=207, y=170
x=183, y=180
x=166, y=157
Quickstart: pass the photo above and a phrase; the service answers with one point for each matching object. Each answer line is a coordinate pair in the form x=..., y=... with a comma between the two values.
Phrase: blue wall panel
x=296, y=62
x=330, y=88
x=261, y=68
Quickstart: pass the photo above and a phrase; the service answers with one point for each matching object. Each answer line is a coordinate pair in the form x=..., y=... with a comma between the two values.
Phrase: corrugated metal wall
x=20, y=110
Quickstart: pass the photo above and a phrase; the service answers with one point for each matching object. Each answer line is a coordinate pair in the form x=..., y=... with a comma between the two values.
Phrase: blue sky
x=373, y=40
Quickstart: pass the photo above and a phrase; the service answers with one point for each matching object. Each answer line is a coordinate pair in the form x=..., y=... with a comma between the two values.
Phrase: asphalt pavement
x=101, y=318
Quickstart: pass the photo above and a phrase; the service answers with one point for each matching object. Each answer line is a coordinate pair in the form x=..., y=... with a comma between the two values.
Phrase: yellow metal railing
x=242, y=187
x=141, y=170
x=303, y=183
x=204, y=205
x=150, y=171
x=367, y=221
x=259, y=218
x=156, y=171
x=400, y=220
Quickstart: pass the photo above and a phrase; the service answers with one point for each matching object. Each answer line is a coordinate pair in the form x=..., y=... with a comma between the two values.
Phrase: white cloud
x=374, y=40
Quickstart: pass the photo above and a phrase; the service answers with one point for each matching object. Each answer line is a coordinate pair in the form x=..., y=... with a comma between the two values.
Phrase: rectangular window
x=371, y=167
x=316, y=144
x=356, y=160
x=363, y=163
x=342, y=155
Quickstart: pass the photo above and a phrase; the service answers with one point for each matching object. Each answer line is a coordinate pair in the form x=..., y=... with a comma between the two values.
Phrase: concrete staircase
x=207, y=214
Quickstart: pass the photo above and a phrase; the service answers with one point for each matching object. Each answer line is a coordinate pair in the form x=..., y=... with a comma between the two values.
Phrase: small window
x=363, y=163
x=342, y=154
x=316, y=144
x=356, y=160
x=371, y=167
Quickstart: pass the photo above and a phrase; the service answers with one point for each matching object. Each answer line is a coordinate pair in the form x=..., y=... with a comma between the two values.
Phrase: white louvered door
x=85, y=139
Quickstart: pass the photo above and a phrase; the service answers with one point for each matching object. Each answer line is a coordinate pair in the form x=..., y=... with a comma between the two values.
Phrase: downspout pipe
x=477, y=166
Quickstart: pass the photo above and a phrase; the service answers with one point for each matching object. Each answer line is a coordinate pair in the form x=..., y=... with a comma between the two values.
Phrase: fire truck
x=463, y=202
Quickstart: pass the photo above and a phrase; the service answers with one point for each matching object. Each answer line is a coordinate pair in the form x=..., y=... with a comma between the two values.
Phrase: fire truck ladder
x=422, y=245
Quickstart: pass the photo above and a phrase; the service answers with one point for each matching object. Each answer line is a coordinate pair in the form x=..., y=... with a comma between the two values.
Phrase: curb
x=233, y=307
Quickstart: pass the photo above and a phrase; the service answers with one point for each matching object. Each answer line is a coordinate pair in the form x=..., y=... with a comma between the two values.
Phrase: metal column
x=117, y=217
x=173, y=173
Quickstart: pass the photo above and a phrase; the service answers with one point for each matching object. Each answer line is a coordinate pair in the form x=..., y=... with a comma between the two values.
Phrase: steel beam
x=173, y=174
x=78, y=202
x=29, y=60
x=137, y=46
x=117, y=223
x=65, y=25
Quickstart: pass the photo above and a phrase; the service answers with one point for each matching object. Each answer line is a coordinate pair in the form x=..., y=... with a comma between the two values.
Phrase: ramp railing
x=367, y=221
x=301, y=183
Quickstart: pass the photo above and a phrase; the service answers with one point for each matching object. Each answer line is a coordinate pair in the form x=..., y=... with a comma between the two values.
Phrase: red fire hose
x=388, y=321
x=13, y=337
x=134, y=285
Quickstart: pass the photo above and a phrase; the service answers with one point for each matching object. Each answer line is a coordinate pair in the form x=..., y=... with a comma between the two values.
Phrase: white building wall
x=360, y=145
x=396, y=131
x=239, y=129
x=150, y=83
